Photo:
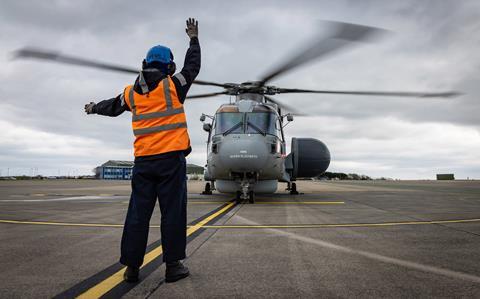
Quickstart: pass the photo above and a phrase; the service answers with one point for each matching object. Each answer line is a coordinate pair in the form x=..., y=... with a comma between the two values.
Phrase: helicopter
x=246, y=146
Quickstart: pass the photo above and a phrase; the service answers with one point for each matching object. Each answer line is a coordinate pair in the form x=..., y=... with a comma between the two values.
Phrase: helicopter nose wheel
x=239, y=198
x=251, y=197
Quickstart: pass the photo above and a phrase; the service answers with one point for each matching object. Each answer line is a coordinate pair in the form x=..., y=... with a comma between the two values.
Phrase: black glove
x=192, y=28
x=90, y=108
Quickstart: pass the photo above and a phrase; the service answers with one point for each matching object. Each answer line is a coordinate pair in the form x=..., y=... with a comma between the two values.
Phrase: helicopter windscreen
x=229, y=121
x=261, y=123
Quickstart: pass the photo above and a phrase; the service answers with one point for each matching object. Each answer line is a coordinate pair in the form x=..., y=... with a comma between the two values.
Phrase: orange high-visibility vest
x=158, y=120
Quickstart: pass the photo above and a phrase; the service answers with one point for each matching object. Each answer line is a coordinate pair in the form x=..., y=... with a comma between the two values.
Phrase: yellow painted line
x=200, y=202
x=193, y=228
x=302, y=202
x=345, y=224
x=106, y=285
x=206, y=202
x=63, y=223
x=278, y=202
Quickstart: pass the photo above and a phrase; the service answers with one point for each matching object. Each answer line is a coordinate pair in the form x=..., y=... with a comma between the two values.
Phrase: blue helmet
x=159, y=54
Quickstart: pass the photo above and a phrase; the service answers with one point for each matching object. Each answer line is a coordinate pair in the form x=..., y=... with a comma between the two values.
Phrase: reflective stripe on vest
x=168, y=112
x=150, y=130
x=158, y=119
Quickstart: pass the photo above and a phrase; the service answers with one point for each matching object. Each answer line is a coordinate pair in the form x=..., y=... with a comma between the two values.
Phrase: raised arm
x=191, y=67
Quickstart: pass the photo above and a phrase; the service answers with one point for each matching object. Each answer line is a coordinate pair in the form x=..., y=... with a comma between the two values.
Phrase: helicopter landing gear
x=292, y=187
x=238, y=197
x=245, y=193
x=208, y=189
x=244, y=185
x=251, y=197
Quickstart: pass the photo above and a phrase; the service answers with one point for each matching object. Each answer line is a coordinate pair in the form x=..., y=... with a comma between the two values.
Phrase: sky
x=431, y=46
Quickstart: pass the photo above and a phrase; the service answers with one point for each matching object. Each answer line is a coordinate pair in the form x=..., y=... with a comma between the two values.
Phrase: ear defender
x=172, y=67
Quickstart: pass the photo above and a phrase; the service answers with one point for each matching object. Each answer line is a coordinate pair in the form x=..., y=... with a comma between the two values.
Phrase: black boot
x=131, y=274
x=175, y=271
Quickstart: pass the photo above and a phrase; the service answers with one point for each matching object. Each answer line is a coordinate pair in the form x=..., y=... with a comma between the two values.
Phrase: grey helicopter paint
x=246, y=154
x=250, y=160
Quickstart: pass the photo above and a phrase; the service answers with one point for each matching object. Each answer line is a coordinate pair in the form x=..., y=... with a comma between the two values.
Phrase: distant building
x=445, y=176
x=122, y=170
x=114, y=170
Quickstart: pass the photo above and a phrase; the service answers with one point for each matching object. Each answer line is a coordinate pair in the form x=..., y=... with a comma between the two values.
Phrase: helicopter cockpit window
x=261, y=123
x=229, y=122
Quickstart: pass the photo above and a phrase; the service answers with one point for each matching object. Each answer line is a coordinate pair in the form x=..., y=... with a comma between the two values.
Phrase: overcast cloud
x=433, y=47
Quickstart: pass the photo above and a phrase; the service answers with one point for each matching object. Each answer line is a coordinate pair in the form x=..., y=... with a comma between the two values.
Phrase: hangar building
x=122, y=170
x=114, y=170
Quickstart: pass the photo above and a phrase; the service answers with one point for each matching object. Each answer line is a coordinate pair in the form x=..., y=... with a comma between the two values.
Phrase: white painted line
x=371, y=255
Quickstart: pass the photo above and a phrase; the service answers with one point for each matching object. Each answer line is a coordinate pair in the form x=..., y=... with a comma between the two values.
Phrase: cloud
x=385, y=145
x=434, y=46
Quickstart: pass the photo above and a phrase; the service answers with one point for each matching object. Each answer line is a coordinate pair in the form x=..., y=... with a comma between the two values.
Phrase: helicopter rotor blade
x=341, y=36
x=447, y=94
x=57, y=57
x=201, y=82
x=285, y=107
x=206, y=95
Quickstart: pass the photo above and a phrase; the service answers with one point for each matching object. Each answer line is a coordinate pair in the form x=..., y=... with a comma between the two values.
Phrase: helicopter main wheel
x=238, y=197
x=293, y=189
x=208, y=189
x=251, y=197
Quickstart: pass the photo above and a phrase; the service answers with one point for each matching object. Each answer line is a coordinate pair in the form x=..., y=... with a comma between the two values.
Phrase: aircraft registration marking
x=244, y=156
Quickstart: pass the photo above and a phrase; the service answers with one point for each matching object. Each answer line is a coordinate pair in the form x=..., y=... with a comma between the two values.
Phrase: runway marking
x=302, y=202
x=115, y=197
x=202, y=202
x=87, y=197
x=384, y=224
x=374, y=256
x=63, y=223
x=280, y=202
x=108, y=284
x=333, y=225
x=206, y=202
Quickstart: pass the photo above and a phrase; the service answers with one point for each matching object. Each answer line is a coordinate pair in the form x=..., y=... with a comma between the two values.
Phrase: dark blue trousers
x=165, y=180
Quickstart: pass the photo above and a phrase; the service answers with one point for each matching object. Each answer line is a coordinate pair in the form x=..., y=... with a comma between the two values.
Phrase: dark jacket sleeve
x=112, y=107
x=190, y=70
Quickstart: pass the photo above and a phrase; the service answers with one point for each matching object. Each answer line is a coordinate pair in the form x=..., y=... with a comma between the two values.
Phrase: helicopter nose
x=240, y=153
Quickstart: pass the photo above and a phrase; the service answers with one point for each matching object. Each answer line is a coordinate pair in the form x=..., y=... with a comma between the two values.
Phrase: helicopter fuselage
x=246, y=147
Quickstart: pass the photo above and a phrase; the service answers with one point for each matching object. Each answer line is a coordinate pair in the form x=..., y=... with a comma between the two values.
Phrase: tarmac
x=339, y=239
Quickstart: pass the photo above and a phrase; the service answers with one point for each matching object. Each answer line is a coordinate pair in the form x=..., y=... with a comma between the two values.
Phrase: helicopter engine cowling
x=309, y=157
